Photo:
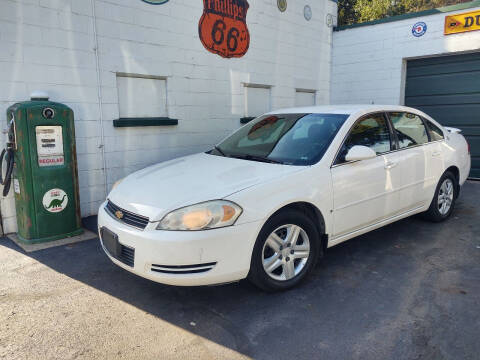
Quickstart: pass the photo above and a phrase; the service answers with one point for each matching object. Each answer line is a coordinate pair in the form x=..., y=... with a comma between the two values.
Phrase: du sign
x=460, y=23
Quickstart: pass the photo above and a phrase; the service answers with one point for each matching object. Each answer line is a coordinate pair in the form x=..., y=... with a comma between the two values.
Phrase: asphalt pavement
x=410, y=290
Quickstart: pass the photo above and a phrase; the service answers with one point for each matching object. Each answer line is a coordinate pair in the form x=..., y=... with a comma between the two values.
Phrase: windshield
x=293, y=139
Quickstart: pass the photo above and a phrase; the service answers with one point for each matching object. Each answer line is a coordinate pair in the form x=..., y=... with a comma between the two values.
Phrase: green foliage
x=367, y=10
x=355, y=11
x=346, y=12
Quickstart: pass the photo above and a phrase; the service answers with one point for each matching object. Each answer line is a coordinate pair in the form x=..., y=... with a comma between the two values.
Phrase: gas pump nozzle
x=10, y=132
x=8, y=155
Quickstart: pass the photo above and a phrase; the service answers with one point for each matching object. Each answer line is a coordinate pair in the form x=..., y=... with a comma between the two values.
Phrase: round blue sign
x=419, y=29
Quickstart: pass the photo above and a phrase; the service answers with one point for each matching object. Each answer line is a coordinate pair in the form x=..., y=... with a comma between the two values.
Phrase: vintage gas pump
x=41, y=162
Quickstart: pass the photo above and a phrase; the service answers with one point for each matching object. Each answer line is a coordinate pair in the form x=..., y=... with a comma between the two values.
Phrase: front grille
x=129, y=218
x=127, y=255
x=183, y=269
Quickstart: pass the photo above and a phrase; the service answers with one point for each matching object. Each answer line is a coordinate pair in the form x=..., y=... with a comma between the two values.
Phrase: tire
x=447, y=190
x=290, y=260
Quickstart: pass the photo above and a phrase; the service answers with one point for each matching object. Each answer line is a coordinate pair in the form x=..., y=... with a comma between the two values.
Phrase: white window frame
x=256, y=86
x=307, y=91
x=143, y=76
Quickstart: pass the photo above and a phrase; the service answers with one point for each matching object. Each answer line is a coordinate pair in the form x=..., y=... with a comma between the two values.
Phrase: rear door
x=412, y=160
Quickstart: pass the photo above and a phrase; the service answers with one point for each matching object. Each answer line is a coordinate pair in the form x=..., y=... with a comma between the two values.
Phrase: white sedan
x=267, y=201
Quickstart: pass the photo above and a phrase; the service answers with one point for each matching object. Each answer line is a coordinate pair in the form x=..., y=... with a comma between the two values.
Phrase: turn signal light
x=228, y=212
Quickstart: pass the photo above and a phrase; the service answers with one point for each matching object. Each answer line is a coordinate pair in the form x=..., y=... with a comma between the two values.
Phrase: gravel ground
x=408, y=291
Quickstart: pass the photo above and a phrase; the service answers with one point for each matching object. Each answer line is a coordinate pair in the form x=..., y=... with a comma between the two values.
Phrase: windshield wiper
x=220, y=151
x=256, y=158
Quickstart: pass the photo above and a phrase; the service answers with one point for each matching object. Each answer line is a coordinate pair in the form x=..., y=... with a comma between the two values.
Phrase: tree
x=367, y=10
x=354, y=11
x=346, y=12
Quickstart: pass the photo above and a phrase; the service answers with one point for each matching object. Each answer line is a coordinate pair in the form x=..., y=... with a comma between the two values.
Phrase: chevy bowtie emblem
x=119, y=214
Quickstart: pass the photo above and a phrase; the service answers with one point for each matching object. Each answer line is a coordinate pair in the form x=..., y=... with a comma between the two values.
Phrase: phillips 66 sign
x=223, y=27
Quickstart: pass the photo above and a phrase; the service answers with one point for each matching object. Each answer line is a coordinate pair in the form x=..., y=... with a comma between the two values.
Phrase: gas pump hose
x=7, y=180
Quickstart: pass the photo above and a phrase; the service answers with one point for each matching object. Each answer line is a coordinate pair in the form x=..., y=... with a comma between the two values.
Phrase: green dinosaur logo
x=55, y=200
x=56, y=203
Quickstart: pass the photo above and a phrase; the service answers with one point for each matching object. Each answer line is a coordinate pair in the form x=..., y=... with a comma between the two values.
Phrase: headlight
x=203, y=216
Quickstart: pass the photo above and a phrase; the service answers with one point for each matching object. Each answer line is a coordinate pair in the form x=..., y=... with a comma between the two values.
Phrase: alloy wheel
x=286, y=252
x=445, y=196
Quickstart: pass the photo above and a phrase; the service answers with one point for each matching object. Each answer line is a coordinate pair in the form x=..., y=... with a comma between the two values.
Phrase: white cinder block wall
x=369, y=62
x=50, y=45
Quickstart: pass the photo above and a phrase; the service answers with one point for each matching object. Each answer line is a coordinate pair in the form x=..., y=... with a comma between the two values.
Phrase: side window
x=436, y=133
x=409, y=128
x=372, y=131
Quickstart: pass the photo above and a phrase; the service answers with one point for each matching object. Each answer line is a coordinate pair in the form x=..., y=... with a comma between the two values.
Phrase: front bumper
x=179, y=255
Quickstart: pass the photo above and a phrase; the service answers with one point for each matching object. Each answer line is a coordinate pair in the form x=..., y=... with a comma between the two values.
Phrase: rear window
x=436, y=133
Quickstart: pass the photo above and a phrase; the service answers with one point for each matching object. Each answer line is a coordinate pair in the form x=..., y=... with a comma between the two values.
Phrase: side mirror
x=359, y=152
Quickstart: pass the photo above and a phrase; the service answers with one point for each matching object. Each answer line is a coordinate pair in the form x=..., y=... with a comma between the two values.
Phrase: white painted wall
x=49, y=45
x=368, y=63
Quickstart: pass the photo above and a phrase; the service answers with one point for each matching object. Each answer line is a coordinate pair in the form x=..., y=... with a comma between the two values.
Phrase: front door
x=363, y=191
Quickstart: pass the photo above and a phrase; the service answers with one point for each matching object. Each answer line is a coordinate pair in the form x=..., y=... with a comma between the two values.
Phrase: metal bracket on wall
x=246, y=120
x=136, y=122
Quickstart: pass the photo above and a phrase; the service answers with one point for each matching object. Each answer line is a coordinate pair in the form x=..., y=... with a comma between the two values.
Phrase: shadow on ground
x=409, y=290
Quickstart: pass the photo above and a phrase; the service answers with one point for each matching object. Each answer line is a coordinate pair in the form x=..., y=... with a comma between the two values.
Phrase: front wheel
x=444, y=199
x=285, y=252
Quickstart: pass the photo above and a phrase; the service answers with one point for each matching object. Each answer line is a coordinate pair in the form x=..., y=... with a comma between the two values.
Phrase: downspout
x=333, y=29
x=99, y=95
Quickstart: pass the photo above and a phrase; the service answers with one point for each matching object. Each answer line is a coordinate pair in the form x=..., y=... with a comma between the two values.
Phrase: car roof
x=346, y=109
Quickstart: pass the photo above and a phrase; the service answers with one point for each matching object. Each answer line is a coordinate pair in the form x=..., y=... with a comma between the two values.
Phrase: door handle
x=436, y=153
x=390, y=165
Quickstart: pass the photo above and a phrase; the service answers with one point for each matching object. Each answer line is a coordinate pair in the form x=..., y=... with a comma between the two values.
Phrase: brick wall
x=368, y=62
x=50, y=45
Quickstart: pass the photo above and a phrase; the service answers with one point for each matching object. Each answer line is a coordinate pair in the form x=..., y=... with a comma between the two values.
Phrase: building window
x=257, y=101
x=304, y=97
x=142, y=101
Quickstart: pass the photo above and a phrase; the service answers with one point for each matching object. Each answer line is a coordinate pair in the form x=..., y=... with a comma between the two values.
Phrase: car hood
x=161, y=188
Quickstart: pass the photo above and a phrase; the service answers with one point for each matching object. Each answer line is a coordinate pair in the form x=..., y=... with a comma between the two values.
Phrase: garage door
x=448, y=89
